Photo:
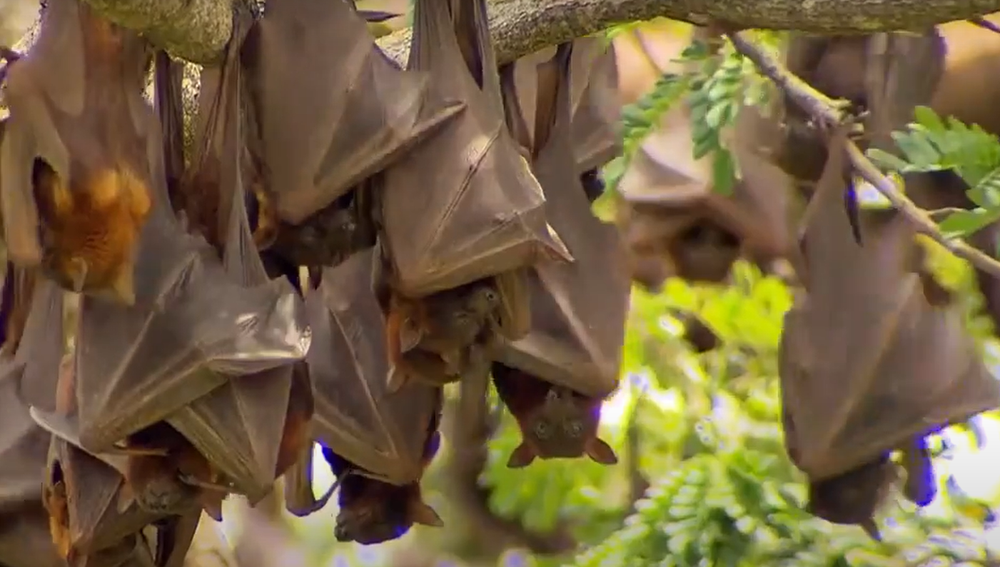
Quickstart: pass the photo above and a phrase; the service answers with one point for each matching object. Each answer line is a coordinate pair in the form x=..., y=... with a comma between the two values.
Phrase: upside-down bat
x=477, y=211
x=555, y=421
x=74, y=185
x=870, y=357
x=577, y=309
x=239, y=427
x=374, y=511
x=314, y=73
x=355, y=416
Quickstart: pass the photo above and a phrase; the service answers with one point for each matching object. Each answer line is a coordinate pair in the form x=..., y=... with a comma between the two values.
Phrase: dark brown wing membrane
x=578, y=309
x=238, y=426
x=477, y=210
x=596, y=105
x=355, y=417
x=331, y=108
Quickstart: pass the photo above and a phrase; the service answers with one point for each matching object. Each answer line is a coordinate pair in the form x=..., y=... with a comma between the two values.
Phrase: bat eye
x=574, y=428
x=542, y=430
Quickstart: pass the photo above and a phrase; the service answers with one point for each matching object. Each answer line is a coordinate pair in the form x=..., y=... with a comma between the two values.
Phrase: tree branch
x=825, y=111
x=197, y=30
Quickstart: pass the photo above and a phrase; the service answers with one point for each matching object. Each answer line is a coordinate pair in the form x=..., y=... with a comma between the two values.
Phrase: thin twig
x=827, y=112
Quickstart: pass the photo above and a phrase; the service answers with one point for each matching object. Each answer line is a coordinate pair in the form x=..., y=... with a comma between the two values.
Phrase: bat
x=854, y=496
x=355, y=416
x=200, y=194
x=555, y=421
x=577, y=309
x=239, y=426
x=593, y=95
x=373, y=511
x=865, y=323
x=346, y=92
x=73, y=186
x=672, y=216
x=479, y=215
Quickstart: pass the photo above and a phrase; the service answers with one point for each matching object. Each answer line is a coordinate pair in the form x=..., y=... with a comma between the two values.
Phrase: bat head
x=373, y=512
x=154, y=485
x=705, y=252
x=563, y=426
x=90, y=230
x=852, y=497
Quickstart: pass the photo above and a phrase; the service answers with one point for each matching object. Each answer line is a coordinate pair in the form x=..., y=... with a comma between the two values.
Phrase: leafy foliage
x=931, y=143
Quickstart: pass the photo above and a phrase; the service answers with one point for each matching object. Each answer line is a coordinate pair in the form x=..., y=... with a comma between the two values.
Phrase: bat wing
x=174, y=537
x=330, y=107
x=476, y=215
x=30, y=375
x=92, y=495
x=239, y=426
x=578, y=309
x=596, y=104
x=169, y=103
x=355, y=416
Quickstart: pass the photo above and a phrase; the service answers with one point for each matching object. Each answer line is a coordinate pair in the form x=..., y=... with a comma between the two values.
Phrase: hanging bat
x=450, y=334
x=346, y=92
x=578, y=309
x=864, y=325
x=555, y=421
x=381, y=434
x=481, y=212
x=373, y=511
x=74, y=186
x=239, y=426
x=200, y=193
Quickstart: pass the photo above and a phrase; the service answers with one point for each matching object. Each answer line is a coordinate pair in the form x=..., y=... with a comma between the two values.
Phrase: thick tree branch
x=824, y=111
x=197, y=30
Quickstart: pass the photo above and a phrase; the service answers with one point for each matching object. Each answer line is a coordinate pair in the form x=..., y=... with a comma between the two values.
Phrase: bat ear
x=211, y=502
x=409, y=336
x=396, y=380
x=601, y=452
x=521, y=456
x=123, y=288
x=420, y=513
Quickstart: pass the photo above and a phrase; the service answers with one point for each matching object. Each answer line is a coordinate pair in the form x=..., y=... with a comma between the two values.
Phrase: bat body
x=355, y=416
x=479, y=211
x=555, y=421
x=437, y=339
x=74, y=187
x=314, y=73
x=577, y=309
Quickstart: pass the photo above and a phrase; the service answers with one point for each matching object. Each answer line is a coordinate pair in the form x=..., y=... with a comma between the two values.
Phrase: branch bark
x=197, y=30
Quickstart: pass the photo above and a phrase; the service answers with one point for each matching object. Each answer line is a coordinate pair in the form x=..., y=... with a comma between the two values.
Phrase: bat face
x=853, y=497
x=155, y=480
x=374, y=512
x=555, y=422
x=75, y=159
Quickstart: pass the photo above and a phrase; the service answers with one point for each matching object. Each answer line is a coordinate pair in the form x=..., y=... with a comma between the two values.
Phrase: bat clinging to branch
x=75, y=189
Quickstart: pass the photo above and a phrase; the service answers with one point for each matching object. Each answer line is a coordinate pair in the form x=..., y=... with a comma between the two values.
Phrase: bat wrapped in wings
x=555, y=379
x=240, y=426
x=870, y=360
x=377, y=444
x=330, y=108
x=594, y=98
x=672, y=215
x=73, y=163
x=449, y=268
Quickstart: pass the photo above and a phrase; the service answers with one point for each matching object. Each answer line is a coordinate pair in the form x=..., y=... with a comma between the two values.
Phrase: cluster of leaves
x=931, y=143
x=713, y=85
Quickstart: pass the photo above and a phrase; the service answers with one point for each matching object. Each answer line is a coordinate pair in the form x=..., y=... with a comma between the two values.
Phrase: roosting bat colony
x=347, y=237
